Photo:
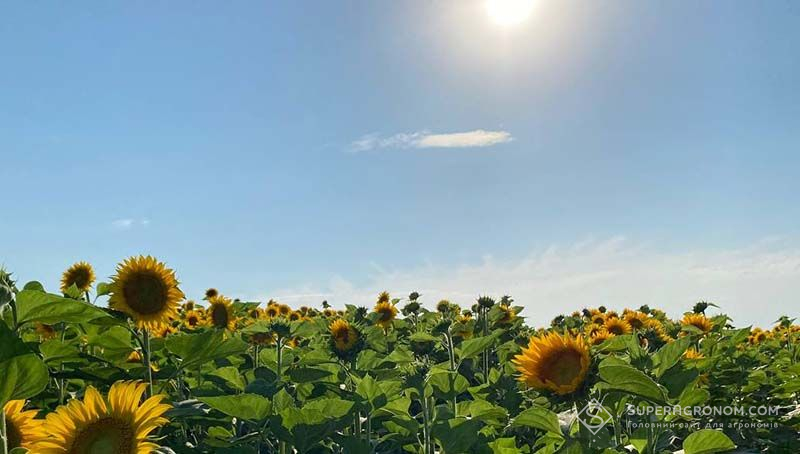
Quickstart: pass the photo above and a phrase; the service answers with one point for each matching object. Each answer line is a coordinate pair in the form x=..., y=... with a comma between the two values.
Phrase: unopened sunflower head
x=554, y=362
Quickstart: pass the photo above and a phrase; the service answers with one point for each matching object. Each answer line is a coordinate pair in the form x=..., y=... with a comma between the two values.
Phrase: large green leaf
x=38, y=306
x=197, y=349
x=669, y=354
x=251, y=407
x=456, y=435
x=473, y=347
x=619, y=376
x=539, y=418
x=707, y=441
x=22, y=373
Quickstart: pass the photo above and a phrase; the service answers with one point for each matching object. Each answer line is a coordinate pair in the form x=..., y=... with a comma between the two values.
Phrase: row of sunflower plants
x=152, y=372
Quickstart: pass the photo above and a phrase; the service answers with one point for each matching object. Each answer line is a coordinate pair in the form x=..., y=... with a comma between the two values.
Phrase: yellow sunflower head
x=263, y=339
x=121, y=425
x=284, y=310
x=699, y=321
x=271, y=311
x=692, y=353
x=211, y=293
x=189, y=305
x=592, y=329
x=295, y=315
x=255, y=313
x=328, y=312
x=192, y=319
x=617, y=326
x=598, y=318
x=387, y=312
x=147, y=290
x=80, y=274
x=219, y=313
x=344, y=337
x=600, y=336
x=163, y=330
x=554, y=362
x=383, y=297
x=22, y=429
x=636, y=319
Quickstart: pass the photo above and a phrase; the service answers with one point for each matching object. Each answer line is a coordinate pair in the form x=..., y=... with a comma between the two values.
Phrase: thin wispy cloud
x=425, y=139
x=754, y=284
x=129, y=223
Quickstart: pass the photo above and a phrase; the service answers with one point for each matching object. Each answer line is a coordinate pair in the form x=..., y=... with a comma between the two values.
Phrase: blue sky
x=633, y=151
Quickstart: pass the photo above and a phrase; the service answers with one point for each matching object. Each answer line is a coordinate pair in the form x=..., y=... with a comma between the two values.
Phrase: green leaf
x=22, y=373
x=369, y=389
x=619, y=376
x=307, y=374
x=456, y=435
x=448, y=384
x=538, y=418
x=251, y=407
x=473, y=347
x=707, y=441
x=103, y=288
x=231, y=375
x=669, y=354
x=197, y=349
x=37, y=306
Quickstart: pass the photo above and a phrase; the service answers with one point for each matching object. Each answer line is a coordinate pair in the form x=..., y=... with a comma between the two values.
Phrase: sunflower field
x=132, y=365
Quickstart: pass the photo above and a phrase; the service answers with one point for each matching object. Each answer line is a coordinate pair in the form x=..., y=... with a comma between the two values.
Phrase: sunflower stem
x=3, y=433
x=62, y=390
x=146, y=357
x=280, y=358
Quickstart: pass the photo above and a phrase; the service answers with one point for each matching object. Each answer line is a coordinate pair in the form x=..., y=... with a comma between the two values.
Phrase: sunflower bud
x=486, y=302
x=414, y=296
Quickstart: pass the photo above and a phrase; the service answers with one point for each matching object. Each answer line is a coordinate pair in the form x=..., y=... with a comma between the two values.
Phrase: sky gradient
x=614, y=153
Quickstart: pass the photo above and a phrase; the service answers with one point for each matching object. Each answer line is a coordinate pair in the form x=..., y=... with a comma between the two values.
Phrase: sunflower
x=120, y=425
x=387, y=312
x=554, y=362
x=163, y=330
x=46, y=332
x=284, y=310
x=344, y=336
x=189, y=305
x=383, y=297
x=600, y=336
x=636, y=319
x=618, y=326
x=271, y=311
x=219, y=313
x=699, y=321
x=692, y=353
x=598, y=318
x=22, y=430
x=443, y=306
x=80, y=274
x=147, y=290
x=211, y=293
x=262, y=339
x=507, y=314
x=592, y=329
x=255, y=313
x=192, y=319
x=658, y=328
x=134, y=357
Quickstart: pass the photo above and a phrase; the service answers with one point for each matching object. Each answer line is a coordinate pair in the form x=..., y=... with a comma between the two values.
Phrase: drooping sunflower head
x=617, y=326
x=507, y=314
x=344, y=338
x=22, y=429
x=387, y=312
x=147, y=290
x=636, y=319
x=46, y=332
x=219, y=313
x=699, y=321
x=554, y=362
x=192, y=319
x=120, y=425
x=80, y=274
x=383, y=297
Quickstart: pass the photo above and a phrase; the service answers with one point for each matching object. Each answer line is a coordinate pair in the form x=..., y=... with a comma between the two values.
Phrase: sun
x=509, y=12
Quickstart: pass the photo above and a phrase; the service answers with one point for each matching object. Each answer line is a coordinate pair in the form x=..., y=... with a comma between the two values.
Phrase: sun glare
x=509, y=12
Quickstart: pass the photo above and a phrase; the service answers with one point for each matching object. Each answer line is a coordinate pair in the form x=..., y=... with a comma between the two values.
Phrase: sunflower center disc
x=145, y=294
x=106, y=436
x=219, y=315
x=564, y=367
x=13, y=434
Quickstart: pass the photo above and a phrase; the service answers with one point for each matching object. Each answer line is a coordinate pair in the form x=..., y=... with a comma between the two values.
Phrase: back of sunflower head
x=7, y=287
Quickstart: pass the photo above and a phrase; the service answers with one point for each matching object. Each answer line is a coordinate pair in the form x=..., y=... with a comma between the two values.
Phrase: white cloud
x=424, y=139
x=127, y=223
x=754, y=284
